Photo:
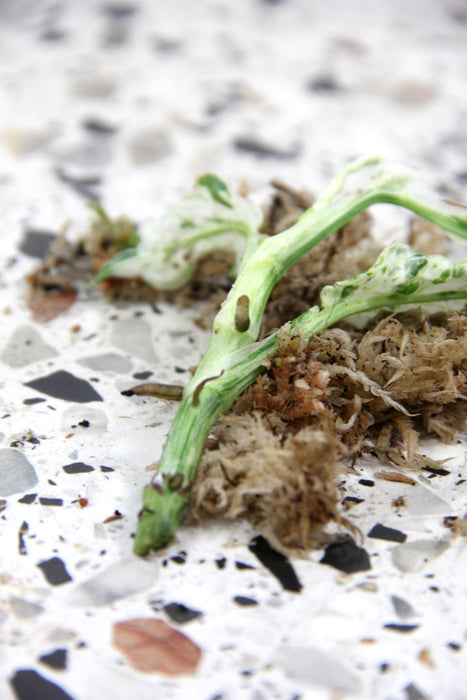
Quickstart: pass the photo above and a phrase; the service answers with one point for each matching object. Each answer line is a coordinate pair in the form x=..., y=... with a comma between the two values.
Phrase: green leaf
x=399, y=278
x=217, y=189
x=206, y=220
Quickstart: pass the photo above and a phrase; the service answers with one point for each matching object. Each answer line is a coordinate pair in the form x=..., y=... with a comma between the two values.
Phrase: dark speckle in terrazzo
x=350, y=501
x=436, y=471
x=346, y=556
x=98, y=126
x=413, y=692
x=55, y=571
x=179, y=558
x=276, y=562
x=120, y=10
x=241, y=566
x=77, y=468
x=404, y=629
x=180, y=613
x=37, y=243
x=64, y=385
x=403, y=609
x=261, y=149
x=366, y=482
x=85, y=185
x=324, y=84
x=27, y=684
x=28, y=498
x=381, y=532
x=56, y=659
x=142, y=375
x=221, y=562
x=46, y=501
x=244, y=601
x=22, y=549
x=53, y=35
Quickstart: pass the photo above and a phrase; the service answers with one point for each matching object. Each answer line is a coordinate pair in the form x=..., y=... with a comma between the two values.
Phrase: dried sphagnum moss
x=274, y=458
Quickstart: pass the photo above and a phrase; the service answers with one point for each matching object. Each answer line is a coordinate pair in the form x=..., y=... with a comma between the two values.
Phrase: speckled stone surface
x=126, y=103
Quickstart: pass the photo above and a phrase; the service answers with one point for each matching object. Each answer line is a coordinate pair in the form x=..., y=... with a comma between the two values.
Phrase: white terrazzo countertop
x=128, y=102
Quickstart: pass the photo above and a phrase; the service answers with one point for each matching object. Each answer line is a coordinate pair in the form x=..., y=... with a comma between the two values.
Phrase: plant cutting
x=213, y=218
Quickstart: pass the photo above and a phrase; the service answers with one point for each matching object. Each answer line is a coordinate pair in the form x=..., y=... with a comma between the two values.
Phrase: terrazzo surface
x=126, y=103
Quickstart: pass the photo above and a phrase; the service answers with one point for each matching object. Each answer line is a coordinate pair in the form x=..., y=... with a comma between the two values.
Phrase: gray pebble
x=121, y=579
x=16, y=473
x=25, y=346
x=413, y=556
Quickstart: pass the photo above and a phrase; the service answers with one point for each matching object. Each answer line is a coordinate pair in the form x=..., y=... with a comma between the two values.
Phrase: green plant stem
x=233, y=359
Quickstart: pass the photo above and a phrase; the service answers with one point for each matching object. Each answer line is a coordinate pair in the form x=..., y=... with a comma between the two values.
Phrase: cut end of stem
x=159, y=519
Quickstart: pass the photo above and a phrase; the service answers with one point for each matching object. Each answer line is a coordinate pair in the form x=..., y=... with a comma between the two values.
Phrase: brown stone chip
x=395, y=476
x=46, y=305
x=153, y=646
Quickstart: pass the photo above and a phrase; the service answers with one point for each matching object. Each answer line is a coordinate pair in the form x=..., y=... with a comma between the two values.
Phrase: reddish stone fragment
x=47, y=305
x=152, y=645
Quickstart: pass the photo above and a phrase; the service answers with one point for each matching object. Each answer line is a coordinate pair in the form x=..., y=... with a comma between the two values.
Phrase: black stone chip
x=346, y=556
x=413, y=693
x=179, y=558
x=98, y=126
x=241, y=566
x=454, y=646
x=404, y=629
x=44, y=501
x=27, y=684
x=381, y=532
x=437, y=471
x=56, y=659
x=142, y=375
x=366, y=482
x=106, y=469
x=119, y=10
x=77, y=468
x=32, y=402
x=324, y=84
x=180, y=613
x=260, y=149
x=29, y=498
x=54, y=571
x=22, y=549
x=64, y=385
x=276, y=562
x=53, y=35
x=348, y=500
x=220, y=563
x=244, y=601
x=37, y=244
x=86, y=186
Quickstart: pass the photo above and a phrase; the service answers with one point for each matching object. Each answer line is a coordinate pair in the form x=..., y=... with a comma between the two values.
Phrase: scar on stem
x=196, y=393
x=242, y=314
